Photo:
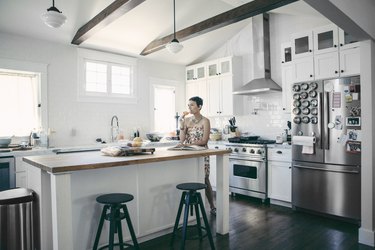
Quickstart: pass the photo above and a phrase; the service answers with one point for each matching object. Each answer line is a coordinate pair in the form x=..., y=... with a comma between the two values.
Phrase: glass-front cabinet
x=347, y=41
x=302, y=44
x=221, y=66
x=196, y=72
x=326, y=39
x=286, y=53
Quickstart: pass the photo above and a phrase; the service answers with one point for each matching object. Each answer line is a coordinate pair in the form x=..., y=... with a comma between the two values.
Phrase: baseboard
x=366, y=237
x=281, y=203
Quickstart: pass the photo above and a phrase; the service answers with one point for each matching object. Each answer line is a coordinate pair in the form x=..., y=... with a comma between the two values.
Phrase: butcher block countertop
x=94, y=160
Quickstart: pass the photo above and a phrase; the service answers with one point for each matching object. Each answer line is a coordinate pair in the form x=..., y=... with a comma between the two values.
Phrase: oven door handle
x=239, y=159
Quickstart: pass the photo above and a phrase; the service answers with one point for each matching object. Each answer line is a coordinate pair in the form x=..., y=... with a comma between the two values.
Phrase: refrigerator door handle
x=327, y=120
x=330, y=170
x=320, y=119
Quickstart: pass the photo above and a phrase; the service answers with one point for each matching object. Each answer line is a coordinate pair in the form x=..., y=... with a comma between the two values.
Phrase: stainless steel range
x=248, y=168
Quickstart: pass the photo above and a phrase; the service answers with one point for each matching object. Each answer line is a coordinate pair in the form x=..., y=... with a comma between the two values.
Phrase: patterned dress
x=193, y=135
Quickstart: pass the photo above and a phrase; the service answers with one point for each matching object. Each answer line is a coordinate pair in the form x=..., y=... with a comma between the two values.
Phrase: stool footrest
x=189, y=236
x=116, y=244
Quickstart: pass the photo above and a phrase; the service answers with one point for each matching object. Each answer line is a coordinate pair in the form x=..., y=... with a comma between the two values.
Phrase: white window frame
x=41, y=70
x=86, y=55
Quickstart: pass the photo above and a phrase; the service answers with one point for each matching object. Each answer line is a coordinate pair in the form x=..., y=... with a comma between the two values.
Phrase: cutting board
x=136, y=150
x=126, y=151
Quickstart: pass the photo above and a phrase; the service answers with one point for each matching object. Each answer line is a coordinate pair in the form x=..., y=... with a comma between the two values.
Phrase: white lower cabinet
x=21, y=177
x=21, y=171
x=280, y=175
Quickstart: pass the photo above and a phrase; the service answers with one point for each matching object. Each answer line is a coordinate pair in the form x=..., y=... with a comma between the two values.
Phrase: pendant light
x=53, y=17
x=174, y=46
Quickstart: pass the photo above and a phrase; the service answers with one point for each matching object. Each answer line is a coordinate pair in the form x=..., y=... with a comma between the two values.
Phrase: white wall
x=270, y=119
x=79, y=123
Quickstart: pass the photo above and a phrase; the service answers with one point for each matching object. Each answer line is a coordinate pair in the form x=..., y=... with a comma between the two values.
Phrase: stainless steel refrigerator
x=326, y=148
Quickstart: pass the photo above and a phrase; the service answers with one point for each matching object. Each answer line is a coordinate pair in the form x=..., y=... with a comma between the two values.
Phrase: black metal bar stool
x=191, y=198
x=114, y=203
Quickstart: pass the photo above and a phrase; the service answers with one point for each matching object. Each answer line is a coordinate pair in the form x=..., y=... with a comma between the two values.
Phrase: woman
x=195, y=130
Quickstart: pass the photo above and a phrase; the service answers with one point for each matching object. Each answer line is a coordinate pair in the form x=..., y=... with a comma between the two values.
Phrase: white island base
x=67, y=199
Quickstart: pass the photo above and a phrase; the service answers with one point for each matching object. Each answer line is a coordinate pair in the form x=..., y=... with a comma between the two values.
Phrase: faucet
x=114, y=127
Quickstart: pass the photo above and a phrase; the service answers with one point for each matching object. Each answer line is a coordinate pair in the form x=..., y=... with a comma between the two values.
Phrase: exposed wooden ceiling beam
x=105, y=17
x=232, y=16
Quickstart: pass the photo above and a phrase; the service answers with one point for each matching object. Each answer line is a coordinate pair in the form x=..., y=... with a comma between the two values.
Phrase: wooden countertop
x=93, y=160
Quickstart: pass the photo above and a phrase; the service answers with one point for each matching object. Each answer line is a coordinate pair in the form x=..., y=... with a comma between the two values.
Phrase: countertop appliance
x=326, y=149
x=248, y=167
x=7, y=173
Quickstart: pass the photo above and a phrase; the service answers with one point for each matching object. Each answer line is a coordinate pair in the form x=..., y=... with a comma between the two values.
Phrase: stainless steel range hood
x=262, y=65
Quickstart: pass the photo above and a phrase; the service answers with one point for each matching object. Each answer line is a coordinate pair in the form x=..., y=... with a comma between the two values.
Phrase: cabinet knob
x=311, y=75
x=279, y=152
x=342, y=71
x=283, y=108
x=336, y=72
x=216, y=147
x=282, y=61
x=310, y=50
x=335, y=46
x=341, y=44
x=290, y=167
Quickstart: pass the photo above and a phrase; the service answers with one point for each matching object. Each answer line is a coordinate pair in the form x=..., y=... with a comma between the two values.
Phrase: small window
x=106, y=77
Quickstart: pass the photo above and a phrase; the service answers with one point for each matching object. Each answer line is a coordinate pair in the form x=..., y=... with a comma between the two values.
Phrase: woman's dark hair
x=197, y=100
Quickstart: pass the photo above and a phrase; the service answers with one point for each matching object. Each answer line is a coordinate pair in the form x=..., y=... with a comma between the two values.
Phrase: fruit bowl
x=154, y=137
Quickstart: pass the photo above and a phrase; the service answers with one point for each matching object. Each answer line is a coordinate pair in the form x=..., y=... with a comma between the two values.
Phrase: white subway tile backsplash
x=269, y=121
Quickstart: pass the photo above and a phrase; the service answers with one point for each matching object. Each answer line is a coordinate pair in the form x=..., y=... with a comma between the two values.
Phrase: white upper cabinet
x=349, y=62
x=302, y=44
x=220, y=96
x=198, y=88
x=221, y=66
x=335, y=54
x=303, y=69
x=326, y=65
x=287, y=82
x=196, y=72
x=286, y=53
x=223, y=75
x=326, y=39
x=346, y=41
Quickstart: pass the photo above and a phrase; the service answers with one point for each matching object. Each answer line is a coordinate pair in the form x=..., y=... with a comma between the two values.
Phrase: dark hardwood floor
x=254, y=225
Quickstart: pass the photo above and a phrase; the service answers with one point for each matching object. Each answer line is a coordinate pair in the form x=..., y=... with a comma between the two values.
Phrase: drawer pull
x=279, y=152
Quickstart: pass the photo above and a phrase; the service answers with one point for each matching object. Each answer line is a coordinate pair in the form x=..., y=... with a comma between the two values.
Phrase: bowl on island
x=154, y=137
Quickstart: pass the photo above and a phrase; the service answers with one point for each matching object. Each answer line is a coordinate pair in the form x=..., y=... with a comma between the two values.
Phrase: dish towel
x=307, y=143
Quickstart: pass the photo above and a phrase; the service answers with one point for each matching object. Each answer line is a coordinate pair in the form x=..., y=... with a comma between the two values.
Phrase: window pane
x=18, y=104
x=96, y=77
x=121, y=79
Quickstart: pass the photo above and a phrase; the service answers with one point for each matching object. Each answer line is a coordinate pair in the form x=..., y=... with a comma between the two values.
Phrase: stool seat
x=191, y=186
x=115, y=198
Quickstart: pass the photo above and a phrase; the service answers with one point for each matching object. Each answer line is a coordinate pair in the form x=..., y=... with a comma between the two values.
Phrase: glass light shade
x=174, y=46
x=53, y=18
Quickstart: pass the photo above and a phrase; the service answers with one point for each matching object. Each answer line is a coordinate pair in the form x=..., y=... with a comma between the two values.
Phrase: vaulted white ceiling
x=131, y=33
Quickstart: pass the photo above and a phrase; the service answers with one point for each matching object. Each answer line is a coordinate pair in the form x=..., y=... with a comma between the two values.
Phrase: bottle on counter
x=285, y=135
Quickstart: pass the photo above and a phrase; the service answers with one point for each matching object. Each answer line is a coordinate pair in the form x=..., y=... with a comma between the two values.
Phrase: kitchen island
x=67, y=186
